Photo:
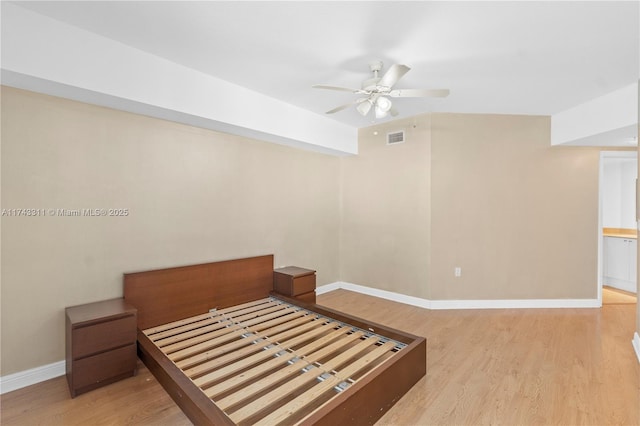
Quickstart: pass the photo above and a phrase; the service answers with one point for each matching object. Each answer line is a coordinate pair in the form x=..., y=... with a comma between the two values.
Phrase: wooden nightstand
x=299, y=283
x=100, y=344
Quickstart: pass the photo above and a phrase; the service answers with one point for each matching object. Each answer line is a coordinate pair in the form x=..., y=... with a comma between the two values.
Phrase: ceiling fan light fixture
x=383, y=104
x=364, y=107
x=381, y=114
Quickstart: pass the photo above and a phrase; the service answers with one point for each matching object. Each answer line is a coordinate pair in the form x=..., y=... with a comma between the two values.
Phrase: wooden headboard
x=165, y=295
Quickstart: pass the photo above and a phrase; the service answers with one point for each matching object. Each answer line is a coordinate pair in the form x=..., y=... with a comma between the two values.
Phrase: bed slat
x=268, y=352
x=172, y=325
x=216, y=352
x=280, y=415
x=224, y=326
x=306, y=353
x=290, y=386
x=191, y=329
x=231, y=332
x=223, y=360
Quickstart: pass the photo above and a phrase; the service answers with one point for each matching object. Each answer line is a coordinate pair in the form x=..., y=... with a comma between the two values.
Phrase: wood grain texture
x=613, y=296
x=170, y=294
x=620, y=232
x=514, y=366
x=100, y=344
x=502, y=366
x=173, y=294
x=285, y=389
x=138, y=400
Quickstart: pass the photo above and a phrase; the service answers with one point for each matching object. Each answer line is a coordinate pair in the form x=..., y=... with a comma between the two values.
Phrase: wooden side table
x=100, y=344
x=296, y=282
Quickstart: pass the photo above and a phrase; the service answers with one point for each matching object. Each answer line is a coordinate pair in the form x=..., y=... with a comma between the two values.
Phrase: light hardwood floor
x=612, y=295
x=506, y=366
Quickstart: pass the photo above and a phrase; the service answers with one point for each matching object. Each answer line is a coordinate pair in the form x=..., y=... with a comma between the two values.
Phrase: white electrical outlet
x=457, y=271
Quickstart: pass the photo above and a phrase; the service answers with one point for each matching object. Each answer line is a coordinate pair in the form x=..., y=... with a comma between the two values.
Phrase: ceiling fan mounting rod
x=370, y=84
x=375, y=67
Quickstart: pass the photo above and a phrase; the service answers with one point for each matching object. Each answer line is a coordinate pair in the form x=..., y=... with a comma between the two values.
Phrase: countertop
x=620, y=232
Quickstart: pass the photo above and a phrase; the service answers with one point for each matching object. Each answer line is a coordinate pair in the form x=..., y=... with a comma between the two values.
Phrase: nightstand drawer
x=289, y=286
x=103, y=336
x=105, y=366
x=101, y=344
x=292, y=280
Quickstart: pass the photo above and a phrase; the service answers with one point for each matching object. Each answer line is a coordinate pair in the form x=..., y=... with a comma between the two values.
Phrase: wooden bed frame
x=174, y=295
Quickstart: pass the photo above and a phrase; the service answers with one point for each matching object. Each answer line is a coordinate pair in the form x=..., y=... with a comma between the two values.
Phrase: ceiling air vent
x=395, y=137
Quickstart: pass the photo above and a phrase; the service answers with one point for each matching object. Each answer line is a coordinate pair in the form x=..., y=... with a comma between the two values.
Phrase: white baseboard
x=636, y=344
x=515, y=304
x=328, y=287
x=26, y=378
x=461, y=304
x=22, y=379
x=383, y=294
x=629, y=286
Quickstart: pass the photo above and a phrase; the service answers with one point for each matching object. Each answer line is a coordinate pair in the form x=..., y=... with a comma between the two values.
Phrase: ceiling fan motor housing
x=371, y=83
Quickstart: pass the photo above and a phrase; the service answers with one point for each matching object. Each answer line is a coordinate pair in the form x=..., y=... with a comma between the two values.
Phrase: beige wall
x=384, y=238
x=486, y=193
x=193, y=195
x=518, y=216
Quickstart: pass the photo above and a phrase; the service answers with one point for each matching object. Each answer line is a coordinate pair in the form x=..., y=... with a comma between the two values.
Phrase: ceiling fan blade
x=341, y=107
x=419, y=93
x=345, y=106
x=342, y=89
x=393, y=74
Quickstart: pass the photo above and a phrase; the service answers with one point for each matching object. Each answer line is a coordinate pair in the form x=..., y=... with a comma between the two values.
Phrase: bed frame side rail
x=193, y=402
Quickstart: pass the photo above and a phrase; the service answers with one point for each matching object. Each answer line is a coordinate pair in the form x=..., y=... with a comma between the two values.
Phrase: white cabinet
x=620, y=263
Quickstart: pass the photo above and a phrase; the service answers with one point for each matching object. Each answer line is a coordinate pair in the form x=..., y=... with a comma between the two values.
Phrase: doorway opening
x=617, y=228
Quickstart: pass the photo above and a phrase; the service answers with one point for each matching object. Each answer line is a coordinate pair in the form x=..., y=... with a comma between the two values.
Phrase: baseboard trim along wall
x=621, y=284
x=636, y=344
x=26, y=378
x=22, y=379
x=461, y=304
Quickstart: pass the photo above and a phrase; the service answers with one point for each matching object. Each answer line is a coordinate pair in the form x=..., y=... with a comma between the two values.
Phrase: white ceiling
x=495, y=57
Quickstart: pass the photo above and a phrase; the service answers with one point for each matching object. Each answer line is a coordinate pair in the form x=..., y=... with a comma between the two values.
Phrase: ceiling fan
x=377, y=90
